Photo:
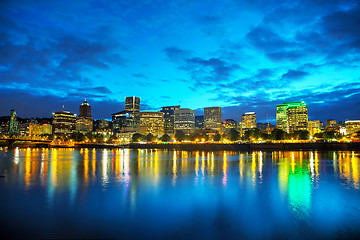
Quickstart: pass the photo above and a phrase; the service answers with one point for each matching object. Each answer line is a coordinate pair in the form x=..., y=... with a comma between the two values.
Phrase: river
x=164, y=194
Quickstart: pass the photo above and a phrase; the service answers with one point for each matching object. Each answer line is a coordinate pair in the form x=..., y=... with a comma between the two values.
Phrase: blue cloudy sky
x=242, y=55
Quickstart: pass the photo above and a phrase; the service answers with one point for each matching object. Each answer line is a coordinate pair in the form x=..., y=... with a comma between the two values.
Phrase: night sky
x=240, y=55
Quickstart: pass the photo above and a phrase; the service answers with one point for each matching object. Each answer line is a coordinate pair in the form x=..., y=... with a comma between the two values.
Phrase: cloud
x=294, y=75
x=139, y=75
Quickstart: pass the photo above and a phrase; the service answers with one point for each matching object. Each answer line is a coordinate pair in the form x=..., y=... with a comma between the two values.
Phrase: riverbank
x=322, y=146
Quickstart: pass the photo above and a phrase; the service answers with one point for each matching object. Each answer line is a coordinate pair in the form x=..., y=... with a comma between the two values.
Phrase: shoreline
x=323, y=146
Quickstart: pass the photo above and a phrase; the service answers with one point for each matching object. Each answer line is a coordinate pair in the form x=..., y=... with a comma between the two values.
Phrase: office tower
x=13, y=126
x=169, y=118
x=292, y=116
x=229, y=124
x=248, y=120
x=314, y=127
x=46, y=129
x=103, y=124
x=132, y=104
x=352, y=126
x=212, y=118
x=199, y=122
x=330, y=122
x=63, y=122
x=185, y=120
x=152, y=122
x=123, y=122
x=35, y=129
x=281, y=117
x=84, y=122
x=85, y=110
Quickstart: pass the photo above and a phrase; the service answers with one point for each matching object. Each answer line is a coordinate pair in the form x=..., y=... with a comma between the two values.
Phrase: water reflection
x=135, y=181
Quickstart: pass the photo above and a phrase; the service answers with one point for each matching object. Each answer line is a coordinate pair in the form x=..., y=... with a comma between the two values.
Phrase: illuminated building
x=46, y=128
x=85, y=110
x=352, y=126
x=229, y=124
x=212, y=118
x=84, y=123
x=330, y=122
x=169, y=118
x=185, y=120
x=199, y=122
x=248, y=120
x=314, y=127
x=132, y=105
x=124, y=122
x=292, y=116
x=63, y=122
x=152, y=122
x=103, y=124
x=13, y=126
x=35, y=129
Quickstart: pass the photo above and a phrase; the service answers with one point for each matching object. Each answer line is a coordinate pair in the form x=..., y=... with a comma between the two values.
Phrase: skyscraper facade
x=132, y=104
x=352, y=126
x=185, y=120
x=248, y=120
x=212, y=118
x=292, y=116
x=199, y=122
x=63, y=122
x=152, y=122
x=84, y=122
x=13, y=126
x=169, y=118
x=85, y=110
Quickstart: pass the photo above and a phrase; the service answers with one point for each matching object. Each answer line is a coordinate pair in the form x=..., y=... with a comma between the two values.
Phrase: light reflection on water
x=210, y=194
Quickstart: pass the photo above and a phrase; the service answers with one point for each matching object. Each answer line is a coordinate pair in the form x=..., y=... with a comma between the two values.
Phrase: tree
x=150, y=137
x=179, y=135
x=77, y=136
x=304, y=135
x=278, y=134
x=234, y=134
x=217, y=137
x=165, y=138
x=136, y=137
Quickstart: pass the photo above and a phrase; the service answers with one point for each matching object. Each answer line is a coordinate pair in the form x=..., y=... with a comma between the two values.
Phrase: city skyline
x=243, y=56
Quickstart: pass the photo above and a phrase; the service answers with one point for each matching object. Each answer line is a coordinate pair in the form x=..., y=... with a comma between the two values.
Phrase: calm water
x=66, y=193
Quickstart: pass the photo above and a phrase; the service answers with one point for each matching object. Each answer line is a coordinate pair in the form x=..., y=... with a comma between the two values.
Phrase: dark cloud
x=294, y=75
x=22, y=101
x=139, y=75
x=176, y=54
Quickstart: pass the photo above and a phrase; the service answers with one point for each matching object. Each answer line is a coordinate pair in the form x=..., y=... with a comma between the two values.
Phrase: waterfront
x=105, y=193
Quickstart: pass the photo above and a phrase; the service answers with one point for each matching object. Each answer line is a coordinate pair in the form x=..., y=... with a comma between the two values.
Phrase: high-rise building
x=123, y=122
x=169, y=118
x=84, y=122
x=229, y=124
x=35, y=129
x=352, y=126
x=330, y=123
x=13, y=126
x=63, y=122
x=46, y=128
x=199, y=122
x=132, y=104
x=212, y=118
x=152, y=122
x=85, y=110
x=248, y=120
x=185, y=120
x=314, y=127
x=292, y=116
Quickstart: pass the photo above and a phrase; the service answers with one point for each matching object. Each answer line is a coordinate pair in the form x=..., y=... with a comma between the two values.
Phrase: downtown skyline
x=240, y=55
